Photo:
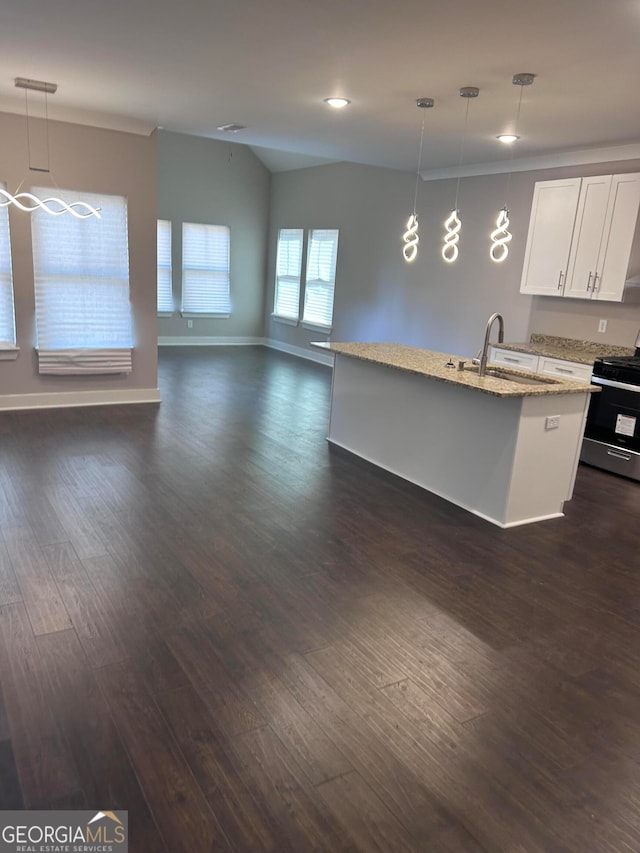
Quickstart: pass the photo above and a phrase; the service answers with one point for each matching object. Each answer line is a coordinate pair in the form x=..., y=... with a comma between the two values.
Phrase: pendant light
x=410, y=236
x=52, y=205
x=501, y=236
x=453, y=225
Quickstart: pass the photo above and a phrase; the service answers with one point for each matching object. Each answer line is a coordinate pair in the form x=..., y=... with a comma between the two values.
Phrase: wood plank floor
x=253, y=643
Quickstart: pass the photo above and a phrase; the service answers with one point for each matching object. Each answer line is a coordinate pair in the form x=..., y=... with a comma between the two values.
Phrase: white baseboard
x=67, y=399
x=208, y=341
x=300, y=352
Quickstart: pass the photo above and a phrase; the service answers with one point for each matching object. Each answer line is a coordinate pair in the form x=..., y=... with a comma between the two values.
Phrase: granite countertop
x=434, y=365
x=568, y=349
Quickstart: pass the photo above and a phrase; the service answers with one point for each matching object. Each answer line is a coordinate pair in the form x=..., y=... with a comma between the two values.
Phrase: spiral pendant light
x=501, y=236
x=411, y=237
x=453, y=225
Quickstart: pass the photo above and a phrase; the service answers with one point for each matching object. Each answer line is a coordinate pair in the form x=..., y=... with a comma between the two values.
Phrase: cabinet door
x=587, y=236
x=617, y=240
x=553, y=214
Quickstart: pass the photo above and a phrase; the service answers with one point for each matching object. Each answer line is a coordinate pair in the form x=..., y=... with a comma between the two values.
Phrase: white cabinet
x=587, y=236
x=580, y=237
x=560, y=368
x=618, y=237
x=553, y=213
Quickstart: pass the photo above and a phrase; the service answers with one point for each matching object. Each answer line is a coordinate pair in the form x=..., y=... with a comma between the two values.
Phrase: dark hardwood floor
x=253, y=643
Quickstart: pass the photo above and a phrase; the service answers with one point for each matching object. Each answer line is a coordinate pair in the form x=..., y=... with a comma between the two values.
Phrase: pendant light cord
x=462, y=145
x=515, y=133
x=26, y=106
x=33, y=168
x=46, y=126
x=415, y=195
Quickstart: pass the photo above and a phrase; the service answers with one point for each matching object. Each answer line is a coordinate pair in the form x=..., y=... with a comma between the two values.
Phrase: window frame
x=286, y=318
x=92, y=279
x=8, y=346
x=189, y=312
x=312, y=324
x=160, y=226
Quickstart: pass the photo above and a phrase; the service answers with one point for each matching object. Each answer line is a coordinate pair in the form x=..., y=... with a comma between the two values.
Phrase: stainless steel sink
x=508, y=376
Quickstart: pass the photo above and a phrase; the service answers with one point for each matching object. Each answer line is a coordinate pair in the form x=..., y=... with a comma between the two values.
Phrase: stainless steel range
x=612, y=433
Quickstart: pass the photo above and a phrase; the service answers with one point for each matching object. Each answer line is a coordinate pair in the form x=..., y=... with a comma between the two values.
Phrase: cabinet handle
x=595, y=282
x=589, y=281
x=563, y=370
x=560, y=277
x=509, y=358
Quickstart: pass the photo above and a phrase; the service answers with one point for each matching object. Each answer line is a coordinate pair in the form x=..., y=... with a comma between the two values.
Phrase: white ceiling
x=190, y=66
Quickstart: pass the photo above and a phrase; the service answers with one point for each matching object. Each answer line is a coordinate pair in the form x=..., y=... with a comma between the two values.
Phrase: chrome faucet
x=482, y=356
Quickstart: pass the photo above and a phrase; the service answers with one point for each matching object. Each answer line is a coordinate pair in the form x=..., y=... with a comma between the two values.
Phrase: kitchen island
x=504, y=446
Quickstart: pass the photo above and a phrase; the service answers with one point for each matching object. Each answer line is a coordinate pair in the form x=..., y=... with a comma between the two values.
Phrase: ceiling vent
x=234, y=127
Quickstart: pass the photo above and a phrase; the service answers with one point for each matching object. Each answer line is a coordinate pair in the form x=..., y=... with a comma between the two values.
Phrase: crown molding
x=90, y=118
x=580, y=157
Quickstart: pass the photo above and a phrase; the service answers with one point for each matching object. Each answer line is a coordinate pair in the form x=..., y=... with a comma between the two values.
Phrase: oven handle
x=619, y=455
x=598, y=380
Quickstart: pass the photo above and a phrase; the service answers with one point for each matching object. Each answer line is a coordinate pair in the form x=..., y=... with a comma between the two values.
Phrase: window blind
x=81, y=272
x=7, y=316
x=205, y=270
x=165, y=291
x=288, y=269
x=322, y=254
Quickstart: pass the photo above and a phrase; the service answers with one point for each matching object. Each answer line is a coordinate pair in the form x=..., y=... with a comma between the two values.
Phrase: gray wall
x=94, y=160
x=379, y=297
x=217, y=183
x=428, y=303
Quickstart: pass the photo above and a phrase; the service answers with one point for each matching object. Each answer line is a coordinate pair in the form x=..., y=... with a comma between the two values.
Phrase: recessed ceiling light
x=337, y=103
x=507, y=138
x=234, y=127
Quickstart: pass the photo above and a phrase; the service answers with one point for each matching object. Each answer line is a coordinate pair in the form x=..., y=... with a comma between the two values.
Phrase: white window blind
x=288, y=268
x=7, y=317
x=205, y=270
x=322, y=254
x=81, y=270
x=165, y=293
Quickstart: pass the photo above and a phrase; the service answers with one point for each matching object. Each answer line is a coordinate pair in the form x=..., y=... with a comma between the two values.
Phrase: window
x=322, y=254
x=7, y=317
x=165, y=292
x=81, y=271
x=286, y=303
x=205, y=270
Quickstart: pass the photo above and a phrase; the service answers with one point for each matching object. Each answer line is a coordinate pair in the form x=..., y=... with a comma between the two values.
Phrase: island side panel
x=546, y=459
x=449, y=439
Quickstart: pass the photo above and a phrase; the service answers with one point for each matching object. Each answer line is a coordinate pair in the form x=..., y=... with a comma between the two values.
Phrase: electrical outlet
x=602, y=326
x=552, y=422
x=189, y=324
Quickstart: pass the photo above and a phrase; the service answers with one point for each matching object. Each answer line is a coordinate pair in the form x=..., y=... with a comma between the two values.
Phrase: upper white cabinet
x=546, y=259
x=580, y=237
x=587, y=236
x=617, y=238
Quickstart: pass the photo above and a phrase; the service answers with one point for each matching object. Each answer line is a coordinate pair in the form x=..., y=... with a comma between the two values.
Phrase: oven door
x=614, y=414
